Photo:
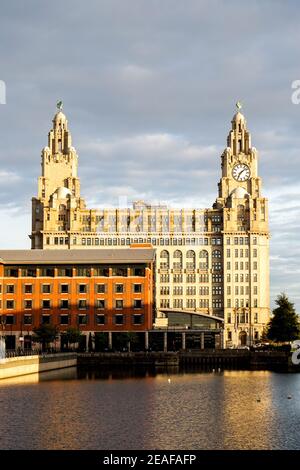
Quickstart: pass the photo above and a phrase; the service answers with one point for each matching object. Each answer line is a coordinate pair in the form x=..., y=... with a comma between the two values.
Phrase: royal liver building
x=211, y=264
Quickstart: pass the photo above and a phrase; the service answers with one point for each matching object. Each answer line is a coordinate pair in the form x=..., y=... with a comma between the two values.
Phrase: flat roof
x=85, y=256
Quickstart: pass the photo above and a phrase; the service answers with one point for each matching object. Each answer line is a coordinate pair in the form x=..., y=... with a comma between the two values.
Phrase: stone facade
x=209, y=261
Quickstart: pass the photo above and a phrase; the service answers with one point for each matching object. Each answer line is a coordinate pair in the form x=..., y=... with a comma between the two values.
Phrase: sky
x=149, y=89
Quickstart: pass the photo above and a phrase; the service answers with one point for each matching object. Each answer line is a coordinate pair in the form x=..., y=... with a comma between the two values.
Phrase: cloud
x=149, y=90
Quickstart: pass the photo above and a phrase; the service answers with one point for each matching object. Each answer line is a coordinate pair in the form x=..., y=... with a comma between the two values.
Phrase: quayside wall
x=24, y=365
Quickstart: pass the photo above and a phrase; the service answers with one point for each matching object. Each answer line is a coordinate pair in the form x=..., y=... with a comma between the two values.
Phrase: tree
x=72, y=336
x=284, y=326
x=45, y=334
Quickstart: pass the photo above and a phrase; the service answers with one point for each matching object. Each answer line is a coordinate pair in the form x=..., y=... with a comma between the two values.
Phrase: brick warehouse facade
x=94, y=291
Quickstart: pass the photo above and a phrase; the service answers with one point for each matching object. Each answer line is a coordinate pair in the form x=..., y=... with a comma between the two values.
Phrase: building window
x=101, y=271
x=11, y=272
x=82, y=288
x=138, y=272
x=46, y=304
x=137, y=303
x=217, y=266
x=119, y=304
x=137, y=288
x=165, y=257
x=100, y=319
x=119, y=288
x=83, y=271
x=137, y=319
x=119, y=271
x=191, y=256
x=82, y=304
x=47, y=272
x=119, y=319
x=28, y=304
x=177, y=264
x=27, y=319
x=46, y=288
x=64, y=304
x=28, y=272
x=256, y=317
x=229, y=335
x=65, y=272
x=217, y=290
x=217, y=254
x=28, y=289
x=82, y=319
x=10, y=289
x=203, y=259
x=45, y=319
x=64, y=319
x=100, y=288
x=10, y=319
x=100, y=304
x=64, y=288
x=10, y=304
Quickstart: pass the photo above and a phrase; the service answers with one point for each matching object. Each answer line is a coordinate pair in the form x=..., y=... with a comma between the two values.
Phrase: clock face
x=241, y=172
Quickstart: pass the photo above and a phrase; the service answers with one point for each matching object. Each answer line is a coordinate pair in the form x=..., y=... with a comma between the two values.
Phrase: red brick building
x=105, y=290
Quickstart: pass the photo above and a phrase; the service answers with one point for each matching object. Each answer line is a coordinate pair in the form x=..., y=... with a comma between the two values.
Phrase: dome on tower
x=62, y=192
x=239, y=193
x=60, y=116
x=238, y=117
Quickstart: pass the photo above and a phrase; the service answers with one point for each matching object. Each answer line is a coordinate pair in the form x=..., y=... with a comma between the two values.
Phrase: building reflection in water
x=148, y=409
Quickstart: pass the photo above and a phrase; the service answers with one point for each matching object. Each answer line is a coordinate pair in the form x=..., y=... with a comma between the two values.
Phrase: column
x=165, y=341
x=146, y=340
x=222, y=339
x=183, y=341
x=202, y=340
x=109, y=340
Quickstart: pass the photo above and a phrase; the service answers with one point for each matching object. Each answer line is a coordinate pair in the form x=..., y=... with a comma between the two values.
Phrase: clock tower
x=245, y=239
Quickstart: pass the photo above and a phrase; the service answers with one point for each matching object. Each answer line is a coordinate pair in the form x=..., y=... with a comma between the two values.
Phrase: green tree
x=45, y=334
x=72, y=336
x=284, y=326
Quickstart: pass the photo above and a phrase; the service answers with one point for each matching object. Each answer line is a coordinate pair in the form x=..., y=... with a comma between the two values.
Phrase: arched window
x=177, y=259
x=191, y=259
x=165, y=259
x=216, y=254
x=203, y=259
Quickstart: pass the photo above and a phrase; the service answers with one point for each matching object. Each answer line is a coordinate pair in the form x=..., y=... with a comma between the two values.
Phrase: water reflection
x=151, y=409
